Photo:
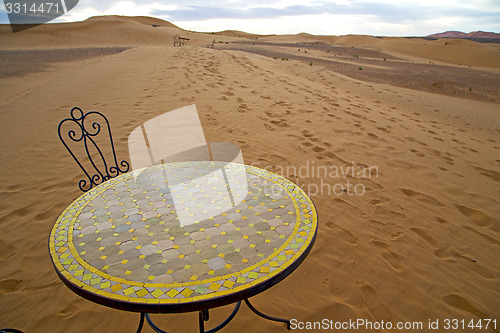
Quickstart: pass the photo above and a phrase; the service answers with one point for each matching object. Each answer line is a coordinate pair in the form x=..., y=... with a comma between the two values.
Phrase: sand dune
x=453, y=51
x=421, y=243
x=96, y=32
x=237, y=33
x=135, y=31
x=459, y=34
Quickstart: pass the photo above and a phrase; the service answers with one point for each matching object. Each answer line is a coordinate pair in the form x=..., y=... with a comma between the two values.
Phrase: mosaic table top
x=169, y=236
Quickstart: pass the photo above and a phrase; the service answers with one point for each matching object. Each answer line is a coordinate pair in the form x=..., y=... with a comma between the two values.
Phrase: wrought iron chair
x=180, y=41
x=86, y=128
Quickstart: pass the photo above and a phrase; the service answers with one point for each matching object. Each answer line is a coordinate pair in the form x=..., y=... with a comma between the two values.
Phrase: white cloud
x=323, y=24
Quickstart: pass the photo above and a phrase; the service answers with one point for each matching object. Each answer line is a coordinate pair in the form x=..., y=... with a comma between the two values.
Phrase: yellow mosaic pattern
x=182, y=232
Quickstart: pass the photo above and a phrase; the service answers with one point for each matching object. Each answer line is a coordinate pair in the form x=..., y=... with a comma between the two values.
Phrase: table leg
x=204, y=316
x=153, y=326
x=201, y=321
x=141, y=323
x=231, y=316
x=257, y=312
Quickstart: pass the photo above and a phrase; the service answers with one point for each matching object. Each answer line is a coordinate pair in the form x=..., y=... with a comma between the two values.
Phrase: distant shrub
x=311, y=64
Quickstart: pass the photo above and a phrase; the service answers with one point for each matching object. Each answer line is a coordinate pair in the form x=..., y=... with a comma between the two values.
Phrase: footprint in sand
x=318, y=149
x=449, y=160
x=492, y=174
x=228, y=93
x=269, y=127
x=243, y=144
x=242, y=108
x=444, y=253
x=461, y=303
x=477, y=216
x=426, y=237
x=188, y=99
x=418, y=153
x=321, y=152
x=280, y=122
x=377, y=309
x=332, y=115
x=9, y=285
x=421, y=197
x=390, y=257
x=307, y=144
x=307, y=134
x=68, y=311
x=341, y=234
x=380, y=201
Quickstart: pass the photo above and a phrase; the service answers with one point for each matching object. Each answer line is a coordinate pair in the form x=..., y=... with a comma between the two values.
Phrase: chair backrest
x=86, y=129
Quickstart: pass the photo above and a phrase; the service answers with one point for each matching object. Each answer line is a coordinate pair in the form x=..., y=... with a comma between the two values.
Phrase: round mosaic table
x=182, y=237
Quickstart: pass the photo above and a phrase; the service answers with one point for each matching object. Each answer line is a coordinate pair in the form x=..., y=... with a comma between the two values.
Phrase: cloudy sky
x=335, y=17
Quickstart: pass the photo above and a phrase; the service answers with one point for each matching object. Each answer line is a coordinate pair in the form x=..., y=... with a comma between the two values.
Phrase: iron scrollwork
x=87, y=132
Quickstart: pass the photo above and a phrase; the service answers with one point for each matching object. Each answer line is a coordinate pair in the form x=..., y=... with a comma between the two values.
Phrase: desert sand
x=421, y=241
